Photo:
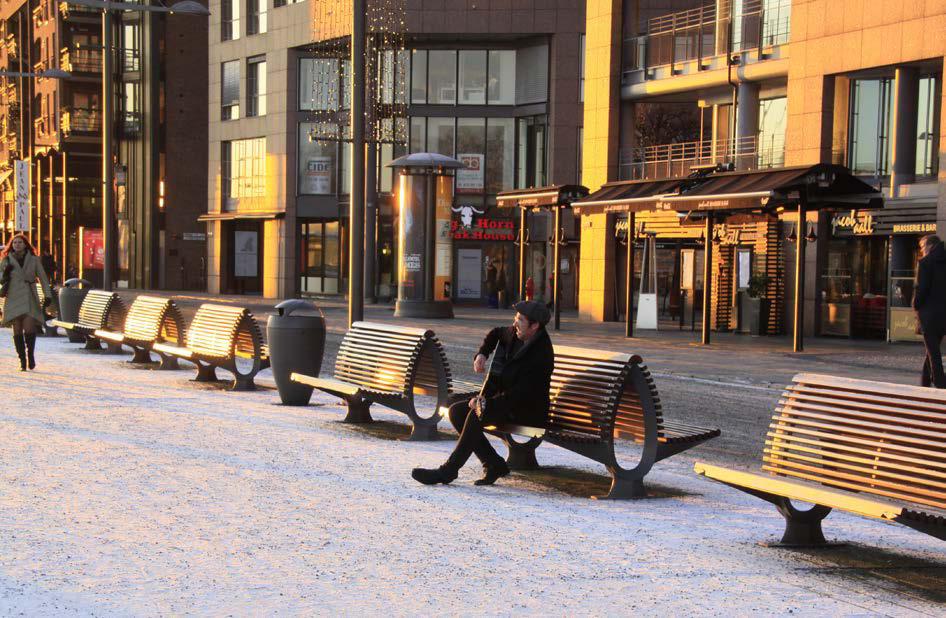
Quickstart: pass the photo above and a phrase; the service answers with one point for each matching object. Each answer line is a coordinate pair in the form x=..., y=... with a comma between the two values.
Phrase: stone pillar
x=747, y=124
x=903, y=139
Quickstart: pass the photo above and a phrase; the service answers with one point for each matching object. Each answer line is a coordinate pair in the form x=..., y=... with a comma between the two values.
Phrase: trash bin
x=296, y=337
x=71, y=295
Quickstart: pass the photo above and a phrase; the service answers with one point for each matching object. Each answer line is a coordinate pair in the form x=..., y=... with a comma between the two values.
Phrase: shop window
x=229, y=20
x=472, y=77
x=255, y=17
x=318, y=160
x=870, y=126
x=502, y=77
x=927, y=141
x=500, y=154
x=441, y=136
x=471, y=152
x=442, y=77
x=854, y=287
x=230, y=90
x=243, y=171
x=256, y=86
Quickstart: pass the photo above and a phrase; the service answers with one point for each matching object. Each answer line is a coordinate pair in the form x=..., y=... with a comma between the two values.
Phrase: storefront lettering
x=729, y=235
x=485, y=229
x=914, y=228
x=860, y=224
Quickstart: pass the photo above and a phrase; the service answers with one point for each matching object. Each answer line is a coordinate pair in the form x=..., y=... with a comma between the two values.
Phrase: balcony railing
x=80, y=120
x=81, y=60
x=703, y=33
x=678, y=160
x=68, y=10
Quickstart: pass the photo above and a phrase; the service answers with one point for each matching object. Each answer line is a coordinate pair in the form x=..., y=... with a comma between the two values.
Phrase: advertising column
x=444, y=240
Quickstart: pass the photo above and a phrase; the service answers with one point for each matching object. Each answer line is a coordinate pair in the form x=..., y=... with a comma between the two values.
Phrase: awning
x=541, y=197
x=821, y=185
x=232, y=216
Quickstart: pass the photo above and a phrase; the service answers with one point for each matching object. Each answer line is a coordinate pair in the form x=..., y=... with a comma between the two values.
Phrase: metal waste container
x=71, y=295
x=296, y=336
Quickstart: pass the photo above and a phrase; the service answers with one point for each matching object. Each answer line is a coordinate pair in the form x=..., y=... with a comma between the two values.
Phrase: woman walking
x=19, y=270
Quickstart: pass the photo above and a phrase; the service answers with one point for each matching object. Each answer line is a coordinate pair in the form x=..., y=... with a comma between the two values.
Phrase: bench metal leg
x=113, y=348
x=243, y=383
x=423, y=432
x=802, y=528
x=91, y=343
x=74, y=336
x=206, y=373
x=623, y=488
x=141, y=356
x=522, y=454
x=358, y=411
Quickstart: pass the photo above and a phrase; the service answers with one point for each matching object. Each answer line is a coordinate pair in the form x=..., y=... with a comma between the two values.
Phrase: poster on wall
x=245, y=254
x=470, y=176
x=443, y=240
x=318, y=175
x=745, y=268
x=93, y=249
x=21, y=180
x=123, y=252
x=469, y=282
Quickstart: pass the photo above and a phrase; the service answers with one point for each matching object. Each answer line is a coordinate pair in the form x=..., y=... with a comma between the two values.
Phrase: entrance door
x=322, y=244
x=244, y=254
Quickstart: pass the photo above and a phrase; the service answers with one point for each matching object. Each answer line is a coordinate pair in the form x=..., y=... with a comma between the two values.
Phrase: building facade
x=56, y=126
x=682, y=88
x=494, y=85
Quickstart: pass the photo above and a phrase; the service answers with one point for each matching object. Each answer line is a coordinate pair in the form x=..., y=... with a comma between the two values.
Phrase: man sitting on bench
x=516, y=392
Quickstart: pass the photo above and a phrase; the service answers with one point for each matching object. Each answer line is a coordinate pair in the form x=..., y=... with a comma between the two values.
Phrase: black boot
x=30, y=339
x=432, y=476
x=20, y=350
x=492, y=472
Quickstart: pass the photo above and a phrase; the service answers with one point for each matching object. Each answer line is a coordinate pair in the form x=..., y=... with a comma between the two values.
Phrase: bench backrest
x=388, y=357
x=871, y=437
x=602, y=394
x=102, y=310
x=217, y=329
x=153, y=319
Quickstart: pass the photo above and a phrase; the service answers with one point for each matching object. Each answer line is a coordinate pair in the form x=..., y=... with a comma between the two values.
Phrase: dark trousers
x=933, y=364
x=472, y=440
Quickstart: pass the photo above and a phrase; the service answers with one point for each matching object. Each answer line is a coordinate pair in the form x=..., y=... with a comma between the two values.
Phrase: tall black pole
x=707, y=277
x=430, y=240
x=371, y=222
x=108, y=170
x=798, y=335
x=356, y=212
x=556, y=301
x=523, y=243
x=629, y=278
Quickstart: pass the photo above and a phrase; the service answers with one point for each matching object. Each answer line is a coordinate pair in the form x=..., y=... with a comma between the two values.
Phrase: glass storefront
x=322, y=254
x=854, y=288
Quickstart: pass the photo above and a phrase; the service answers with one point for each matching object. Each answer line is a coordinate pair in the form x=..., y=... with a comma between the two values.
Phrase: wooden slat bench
x=100, y=310
x=150, y=320
x=870, y=448
x=597, y=400
x=388, y=364
x=226, y=337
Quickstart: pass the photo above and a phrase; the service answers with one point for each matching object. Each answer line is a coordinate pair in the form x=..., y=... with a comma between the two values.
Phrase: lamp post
x=189, y=7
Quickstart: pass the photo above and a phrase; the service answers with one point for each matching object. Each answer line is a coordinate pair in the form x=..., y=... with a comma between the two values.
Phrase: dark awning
x=231, y=216
x=822, y=185
x=541, y=197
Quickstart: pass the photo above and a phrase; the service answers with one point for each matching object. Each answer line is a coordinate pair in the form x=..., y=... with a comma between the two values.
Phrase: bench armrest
x=110, y=336
x=328, y=385
x=171, y=350
x=61, y=324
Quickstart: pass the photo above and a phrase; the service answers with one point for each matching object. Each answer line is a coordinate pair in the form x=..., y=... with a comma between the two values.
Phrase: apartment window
x=230, y=90
x=869, y=151
x=773, y=116
x=243, y=170
x=472, y=77
x=324, y=84
x=927, y=142
x=256, y=86
x=419, y=76
x=442, y=77
x=255, y=16
x=229, y=20
x=581, y=68
x=130, y=47
x=502, y=77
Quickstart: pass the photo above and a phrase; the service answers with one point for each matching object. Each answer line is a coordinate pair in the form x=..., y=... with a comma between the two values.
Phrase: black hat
x=534, y=310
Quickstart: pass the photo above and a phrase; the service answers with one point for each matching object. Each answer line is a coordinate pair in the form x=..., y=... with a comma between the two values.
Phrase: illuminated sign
x=485, y=229
x=860, y=224
x=914, y=228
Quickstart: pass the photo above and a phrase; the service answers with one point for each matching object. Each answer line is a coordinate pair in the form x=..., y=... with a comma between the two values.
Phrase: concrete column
x=903, y=139
x=747, y=124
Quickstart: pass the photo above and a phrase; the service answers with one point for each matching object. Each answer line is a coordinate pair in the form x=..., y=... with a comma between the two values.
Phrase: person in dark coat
x=516, y=392
x=20, y=269
x=929, y=301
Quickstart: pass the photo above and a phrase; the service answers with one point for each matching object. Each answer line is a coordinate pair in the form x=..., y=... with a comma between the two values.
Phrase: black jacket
x=929, y=298
x=517, y=390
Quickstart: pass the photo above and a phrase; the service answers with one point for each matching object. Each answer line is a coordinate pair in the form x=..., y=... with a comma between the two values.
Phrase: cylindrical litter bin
x=71, y=295
x=296, y=336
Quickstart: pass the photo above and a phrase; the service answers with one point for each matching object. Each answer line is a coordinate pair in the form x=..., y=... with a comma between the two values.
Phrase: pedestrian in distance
x=929, y=301
x=20, y=268
x=516, y=391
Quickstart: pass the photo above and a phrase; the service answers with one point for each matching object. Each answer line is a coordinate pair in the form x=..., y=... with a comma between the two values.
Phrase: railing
x=130, y=59
x=68, y=10
x=130, y=124
x=702, y=33
x=80, y=120
x=678, y=160
x=81, y=60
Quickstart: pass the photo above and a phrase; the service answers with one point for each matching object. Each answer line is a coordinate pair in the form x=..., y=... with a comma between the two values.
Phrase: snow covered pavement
x=134, y=492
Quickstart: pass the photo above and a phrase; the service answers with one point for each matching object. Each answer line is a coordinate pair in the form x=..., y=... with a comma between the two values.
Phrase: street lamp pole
x=108, y=167
x=356, y=208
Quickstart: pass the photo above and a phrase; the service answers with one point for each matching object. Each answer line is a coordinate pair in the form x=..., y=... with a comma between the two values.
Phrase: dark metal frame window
x=255, y=17
x=495, y=90
x=870, y=124
x=256, y=86
x=230, y=90
x=229, y=20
